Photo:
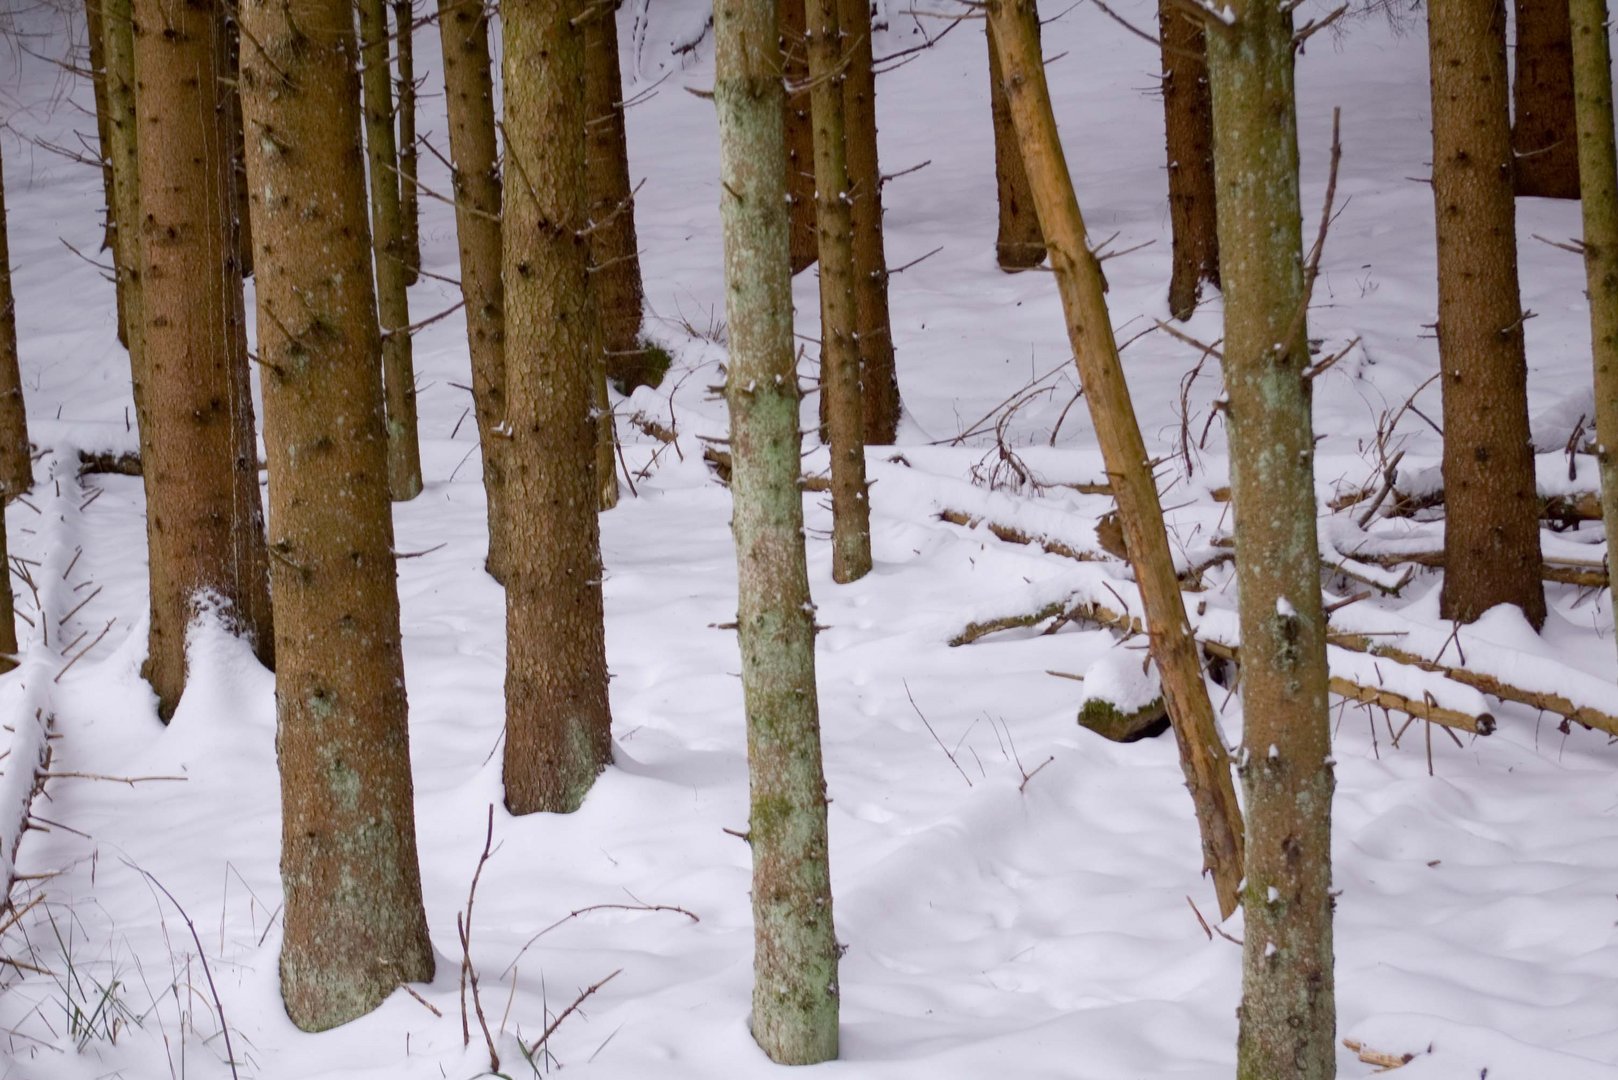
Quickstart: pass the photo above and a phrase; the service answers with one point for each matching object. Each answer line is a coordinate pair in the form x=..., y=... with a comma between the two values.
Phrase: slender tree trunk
x=204, y=521
x=839, y=328
x=1019, y=244
x=354, y=923
x=404, y=25
x=795, y=996
x=800, y=138
x=98, y=85
x=879, y=379
x=1079, y=280
x=1188, y=122
x=118, y=51
x=16, y=467
x=1288, y=1013
x=1598, y=176
x=387, y=227
x=1491, y=531
x=615, y=276
x=463, y=26
x=242, y=223
x=558, y=725
x=1544, y=137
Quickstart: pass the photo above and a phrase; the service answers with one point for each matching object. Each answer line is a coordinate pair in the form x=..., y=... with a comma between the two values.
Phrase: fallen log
x=1384, y=1061
x=1017, y=536
x=1589, y=575
x=717, y=460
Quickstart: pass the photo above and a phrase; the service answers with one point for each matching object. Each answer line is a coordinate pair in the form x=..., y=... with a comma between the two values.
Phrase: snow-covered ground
x=1012, y=890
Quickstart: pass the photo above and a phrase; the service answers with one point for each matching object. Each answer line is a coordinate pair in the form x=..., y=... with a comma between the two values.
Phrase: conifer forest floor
x=1012, y=890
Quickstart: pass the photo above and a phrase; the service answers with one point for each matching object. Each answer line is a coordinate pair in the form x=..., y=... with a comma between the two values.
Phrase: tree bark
x=242, y=218
x=1188, y=124
x=463, y=26
x=118, y=51
x=795, y=994
x=1288, y=1015
x=615, y=276
x=839, y=326
x=204, y=520
x=387, y=240
x=558, y=724
x=1018, y=244
x=800, y=137
x=1598, y=177
x=879, y=380
x=98, y=85
x=1491, y=531
x=1544, y=137
x=404, y=25
x=1079, y=280
x=354, y=924
x=16, y=466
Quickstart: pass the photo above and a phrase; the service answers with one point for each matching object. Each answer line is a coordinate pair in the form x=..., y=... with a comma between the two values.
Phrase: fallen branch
x=1385, y=1062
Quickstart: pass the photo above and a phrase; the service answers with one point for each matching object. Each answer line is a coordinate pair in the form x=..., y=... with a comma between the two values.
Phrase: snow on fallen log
x=28, y=761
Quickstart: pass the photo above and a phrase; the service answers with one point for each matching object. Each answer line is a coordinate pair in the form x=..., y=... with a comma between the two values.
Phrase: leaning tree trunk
x=839, y=348
x=879, y=380
x=98, y=86
x=118, y=30
x=1491, y=528
x=1079, y=280
x=615, y=275
x=1188, y=124
x=354, y=923
x=199, y=461
x=1598, y=177
x=1018, y=244
x=558, y=725
x=795, y=996
x=387, y=225
x=1288, y=1016
x=404, y=26
x=800, y=139
x=474, y=150
x=16, y=467
x=1544, y=136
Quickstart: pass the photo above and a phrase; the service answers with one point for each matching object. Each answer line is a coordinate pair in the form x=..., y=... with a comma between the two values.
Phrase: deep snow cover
x=1003, y=916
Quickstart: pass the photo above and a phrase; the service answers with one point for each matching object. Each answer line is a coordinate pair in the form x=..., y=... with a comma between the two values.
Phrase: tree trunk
x=558, y=725
x=795, y=996
x=1018, y=244
x=98, y=85
x=839, y=347
x=1491, y=531
x=199, y=461
x=1079, y=280
x=387, y=240
x=404, y=26
x=879, y=380
x=1598, y=173
x=16, y=467
x=800, y=137
x=354, y=924
x=242, y=218
x=1544, y=137
x=463, y=27
x=615, y=276
x=1288, y=1015
x=118, y=51
x=1188, y=122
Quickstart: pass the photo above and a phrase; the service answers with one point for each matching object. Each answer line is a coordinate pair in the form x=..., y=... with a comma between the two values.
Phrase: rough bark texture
x=118, y=30
x=242, y=223
x=404, y=26
x=879, y=380
x=1080, y=282
x=1188, y=124
x=387, y=239
x=1598, y=176
x=616, y=274
x=1018, y=243
x=839, y=316
x=1544, y=135
x=463, y=26
x=354, y=924
x=558, y=726
x=98, y=86
x=795, y=993
x=16, y=469
x=199, y=458
x=1288, y=1012
x=800, y=138
x=1491, y=531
